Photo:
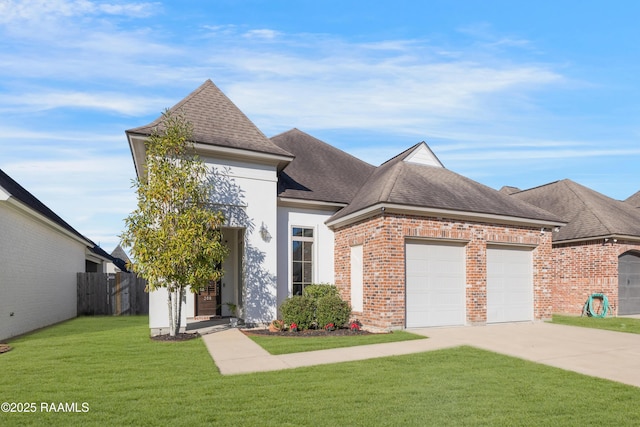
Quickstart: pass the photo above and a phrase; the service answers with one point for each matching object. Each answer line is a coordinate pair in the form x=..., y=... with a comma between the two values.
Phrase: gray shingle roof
x=589, y=214
x=28, y=199
x=407, y=184
x=634, y=200
x=509, y=190
x=319, y=171
x=217, y=121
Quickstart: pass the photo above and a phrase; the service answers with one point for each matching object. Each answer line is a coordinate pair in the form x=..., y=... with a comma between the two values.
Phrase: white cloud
x=14, y=11
x=121, y=103
x=262, y=34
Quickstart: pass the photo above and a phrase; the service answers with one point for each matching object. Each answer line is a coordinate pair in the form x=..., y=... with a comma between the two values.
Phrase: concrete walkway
x=598, y=353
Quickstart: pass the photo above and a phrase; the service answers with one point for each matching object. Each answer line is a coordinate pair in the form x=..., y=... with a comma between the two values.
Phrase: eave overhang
x=138, y=152
x=606, y=239
x=444, y=213
x=290, y=202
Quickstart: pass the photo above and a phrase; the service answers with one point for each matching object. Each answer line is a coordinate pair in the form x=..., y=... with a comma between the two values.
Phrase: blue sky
x=504, y=92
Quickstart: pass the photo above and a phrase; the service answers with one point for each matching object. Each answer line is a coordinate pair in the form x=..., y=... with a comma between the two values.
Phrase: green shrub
x=331, y=309
x=320, y=290
x=299, y=309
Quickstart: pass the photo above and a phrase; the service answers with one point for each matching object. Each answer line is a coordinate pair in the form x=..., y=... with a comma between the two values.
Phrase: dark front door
x=629, y=284
x=208, y=301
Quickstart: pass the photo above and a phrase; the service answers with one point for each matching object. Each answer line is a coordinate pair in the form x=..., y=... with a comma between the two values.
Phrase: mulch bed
x=4, y=348
x=306, y=333
x=178, y=337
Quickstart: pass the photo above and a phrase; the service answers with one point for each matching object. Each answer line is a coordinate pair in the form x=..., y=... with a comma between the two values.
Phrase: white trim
x=447, y=213
x=137, y=145
x=239, y=153
x=314, y=253
x=309, y=204
x=499, y=244
x=4, y=194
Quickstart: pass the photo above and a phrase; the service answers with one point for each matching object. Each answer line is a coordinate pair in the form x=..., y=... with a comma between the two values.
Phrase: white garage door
x=435, y=284
x=509, y=284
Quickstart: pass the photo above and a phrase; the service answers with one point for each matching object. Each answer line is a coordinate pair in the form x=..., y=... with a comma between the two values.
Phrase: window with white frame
x=301, y=258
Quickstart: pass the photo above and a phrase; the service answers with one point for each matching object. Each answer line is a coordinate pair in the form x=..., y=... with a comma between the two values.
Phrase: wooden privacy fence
x=111, y=294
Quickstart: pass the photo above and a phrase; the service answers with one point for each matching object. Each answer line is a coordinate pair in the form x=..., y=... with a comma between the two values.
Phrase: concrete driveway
x=598, y=353
x=594, y=352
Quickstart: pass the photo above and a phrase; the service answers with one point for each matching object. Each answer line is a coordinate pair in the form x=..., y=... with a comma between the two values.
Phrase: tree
x=174, y=233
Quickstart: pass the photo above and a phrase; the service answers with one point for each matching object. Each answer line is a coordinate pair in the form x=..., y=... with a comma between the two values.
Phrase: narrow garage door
x=509, y=284
x=629, y=284
x=435, y=284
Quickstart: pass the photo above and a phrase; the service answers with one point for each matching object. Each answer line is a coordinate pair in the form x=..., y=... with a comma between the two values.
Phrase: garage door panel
x=435, y=284
x=509, y=284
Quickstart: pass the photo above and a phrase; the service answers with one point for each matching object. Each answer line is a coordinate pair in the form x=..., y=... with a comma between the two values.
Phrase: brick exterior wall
x=383, y=238
x=584, y=268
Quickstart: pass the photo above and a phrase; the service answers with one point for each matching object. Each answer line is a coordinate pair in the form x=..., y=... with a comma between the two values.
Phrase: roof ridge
x=594, y=211
x=540, y=186
x=391, y=182
x=402, y=154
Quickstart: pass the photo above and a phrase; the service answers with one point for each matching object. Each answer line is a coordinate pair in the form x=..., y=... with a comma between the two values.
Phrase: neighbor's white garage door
x=509, y=284
x=435, y=284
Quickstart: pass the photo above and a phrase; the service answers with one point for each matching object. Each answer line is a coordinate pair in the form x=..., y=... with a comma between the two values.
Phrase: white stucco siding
x=38, y=273
x=259, y=194
x=323, y=243
x=247, y=194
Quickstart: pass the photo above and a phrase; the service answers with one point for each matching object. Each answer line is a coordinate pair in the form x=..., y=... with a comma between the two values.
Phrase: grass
x=618, y=324
x=127, y=379
x=284, y=345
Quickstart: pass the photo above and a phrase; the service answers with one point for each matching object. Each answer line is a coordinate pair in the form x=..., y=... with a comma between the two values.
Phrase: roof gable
x=406, y=184
x=422, y=155
x=217, y=121
x=319, y=171
x=589, y=214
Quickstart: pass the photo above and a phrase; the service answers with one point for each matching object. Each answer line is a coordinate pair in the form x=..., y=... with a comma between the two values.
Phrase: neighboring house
x=40, y=255
x=120, y=261
x=598, y=251
x=408, y=243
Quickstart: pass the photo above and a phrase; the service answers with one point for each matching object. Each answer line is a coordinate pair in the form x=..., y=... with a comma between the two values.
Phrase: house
x=598, y=251
x=40, y=255
x=409, y=243
x=119, y=262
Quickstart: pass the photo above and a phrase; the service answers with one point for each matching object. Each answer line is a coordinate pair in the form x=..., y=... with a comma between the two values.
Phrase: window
x=302, y=258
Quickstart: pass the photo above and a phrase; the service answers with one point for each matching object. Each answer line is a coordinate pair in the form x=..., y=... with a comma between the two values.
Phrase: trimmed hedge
x=331, y=309
x=299, y=309
x=318, y=306
x=320, y=290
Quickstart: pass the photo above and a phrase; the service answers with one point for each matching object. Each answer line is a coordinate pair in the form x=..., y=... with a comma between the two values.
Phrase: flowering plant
x=355, y=326
x=330, y=327
x=293, y=327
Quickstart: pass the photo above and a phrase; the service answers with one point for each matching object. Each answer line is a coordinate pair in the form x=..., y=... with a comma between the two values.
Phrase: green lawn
x=284, y=345
x=618, y=324
x=127, y=379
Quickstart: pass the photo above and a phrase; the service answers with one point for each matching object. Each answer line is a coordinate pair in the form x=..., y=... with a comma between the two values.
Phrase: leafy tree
x=174, y=233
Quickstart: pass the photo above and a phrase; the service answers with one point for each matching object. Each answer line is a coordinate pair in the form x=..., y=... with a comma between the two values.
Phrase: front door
x=208, y=300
